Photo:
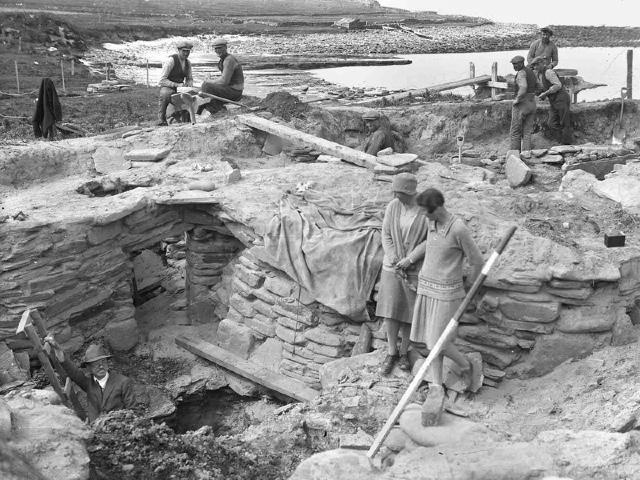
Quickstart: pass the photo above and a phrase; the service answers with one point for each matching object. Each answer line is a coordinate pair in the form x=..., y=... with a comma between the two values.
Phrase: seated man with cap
x=545, y=48
x=378, y=137
x=231, y=82
x=106, y=390
x=176, y=72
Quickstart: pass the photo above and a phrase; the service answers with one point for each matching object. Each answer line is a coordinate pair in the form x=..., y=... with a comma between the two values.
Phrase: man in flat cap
x=230, y=84
x=176, y=72
x=378, y=137
x=106, y=390
x=523, y=108
x=545, y=48
x=559, y=121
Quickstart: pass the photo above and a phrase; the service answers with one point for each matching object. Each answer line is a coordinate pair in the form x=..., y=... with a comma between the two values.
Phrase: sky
x=621, y=13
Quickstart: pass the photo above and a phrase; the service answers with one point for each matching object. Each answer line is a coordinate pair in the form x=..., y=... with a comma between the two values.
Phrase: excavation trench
x=155, y=259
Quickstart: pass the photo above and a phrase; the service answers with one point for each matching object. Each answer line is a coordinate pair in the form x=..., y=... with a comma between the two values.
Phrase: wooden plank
x=287, y=386
x=503, y=85
x=423, y=91
x=494, y=78
x=347, y=154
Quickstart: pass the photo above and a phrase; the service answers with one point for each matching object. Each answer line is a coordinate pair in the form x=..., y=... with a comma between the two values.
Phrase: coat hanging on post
x=48, y=110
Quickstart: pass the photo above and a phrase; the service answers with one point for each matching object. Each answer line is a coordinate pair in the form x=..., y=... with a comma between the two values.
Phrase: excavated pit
x=139, y=267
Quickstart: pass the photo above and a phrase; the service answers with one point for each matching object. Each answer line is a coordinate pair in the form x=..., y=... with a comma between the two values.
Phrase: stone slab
x=107, y=160
x=147, y=154
x=518, y=173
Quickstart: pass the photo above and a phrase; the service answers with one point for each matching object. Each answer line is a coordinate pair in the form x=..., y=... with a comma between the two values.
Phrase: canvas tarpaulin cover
x=331, y=248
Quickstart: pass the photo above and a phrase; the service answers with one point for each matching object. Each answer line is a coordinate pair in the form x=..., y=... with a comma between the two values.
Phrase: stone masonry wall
x=79, y=276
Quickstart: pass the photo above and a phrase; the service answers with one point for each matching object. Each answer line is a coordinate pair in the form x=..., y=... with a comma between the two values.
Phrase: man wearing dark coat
x=231, y=82
x=106, y=390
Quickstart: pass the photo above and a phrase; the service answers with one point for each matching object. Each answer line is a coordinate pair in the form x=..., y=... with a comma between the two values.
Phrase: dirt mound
x=284, y=105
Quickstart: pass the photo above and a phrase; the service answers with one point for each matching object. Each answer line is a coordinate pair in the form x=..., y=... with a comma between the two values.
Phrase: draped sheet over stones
x=333, y=250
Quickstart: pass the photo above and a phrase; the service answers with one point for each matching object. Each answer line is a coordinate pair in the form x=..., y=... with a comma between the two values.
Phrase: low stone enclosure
x=553, y=296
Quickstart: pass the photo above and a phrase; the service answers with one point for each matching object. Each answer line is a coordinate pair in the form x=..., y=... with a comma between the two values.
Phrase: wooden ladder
x=49, y=360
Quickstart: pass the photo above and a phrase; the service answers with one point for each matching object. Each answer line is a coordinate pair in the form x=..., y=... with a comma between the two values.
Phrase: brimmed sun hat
x=405, y=183
x=94, y=353
x=536, y=61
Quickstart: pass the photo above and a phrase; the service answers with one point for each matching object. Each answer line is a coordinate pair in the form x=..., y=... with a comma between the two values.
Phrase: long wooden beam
x=423, y=91
x=347, y=154
x=287, y=386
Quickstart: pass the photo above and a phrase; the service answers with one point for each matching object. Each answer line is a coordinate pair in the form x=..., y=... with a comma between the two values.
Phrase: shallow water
x=595, y=65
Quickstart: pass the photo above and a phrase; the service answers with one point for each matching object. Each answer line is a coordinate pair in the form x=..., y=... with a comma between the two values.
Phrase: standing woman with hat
x=176, y=72
x=404, y=232
x=106, y=390
x=545, y=48
x=230, y=84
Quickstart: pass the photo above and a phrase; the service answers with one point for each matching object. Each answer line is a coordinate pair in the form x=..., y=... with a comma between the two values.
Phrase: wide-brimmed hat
x=371, y=115
x=94, y=353
x=184, y=45
x=405, y=183
x=517, y=59
x=546, y=29
x=219, y=42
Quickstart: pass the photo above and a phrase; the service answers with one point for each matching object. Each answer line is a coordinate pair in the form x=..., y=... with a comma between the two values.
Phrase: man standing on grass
x=176, y=72
x=545, y=48
x=523, y=108
x=559, y=121
x=230, y=84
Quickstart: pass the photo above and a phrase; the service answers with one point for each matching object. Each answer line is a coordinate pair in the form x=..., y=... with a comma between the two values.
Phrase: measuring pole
x=73, y=67
x=444, y=338
x=17, y=76
x=629, y=74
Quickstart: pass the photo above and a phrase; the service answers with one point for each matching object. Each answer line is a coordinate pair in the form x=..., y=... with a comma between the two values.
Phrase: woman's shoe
x=403, y=362
x=388, y=363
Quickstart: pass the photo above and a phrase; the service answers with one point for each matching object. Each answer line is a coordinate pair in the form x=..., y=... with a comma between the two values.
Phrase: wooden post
x=629, y=74
x=64, y=88
x=108, y=72
x=472, y=70
x=494, y=78
x=147, y=73
x=68, y=389
x=20, y=44
x=437, y=348
x=73, y=67
x=17, y=76
x=44, y=359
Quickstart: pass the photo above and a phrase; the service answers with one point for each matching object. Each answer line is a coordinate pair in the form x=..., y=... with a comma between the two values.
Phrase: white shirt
x=103, y=381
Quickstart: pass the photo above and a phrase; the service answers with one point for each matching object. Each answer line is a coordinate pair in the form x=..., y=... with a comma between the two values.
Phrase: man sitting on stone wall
x=106, y=390
x=545, y=48
x=378, y=137
x=230, y=84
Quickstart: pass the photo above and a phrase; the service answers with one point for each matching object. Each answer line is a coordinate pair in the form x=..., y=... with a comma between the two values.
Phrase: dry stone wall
x=79, y=276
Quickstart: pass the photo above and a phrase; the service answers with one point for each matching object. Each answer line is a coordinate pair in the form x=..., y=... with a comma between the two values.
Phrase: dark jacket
x=531, y=81
x=48, y=110
x=117, y=395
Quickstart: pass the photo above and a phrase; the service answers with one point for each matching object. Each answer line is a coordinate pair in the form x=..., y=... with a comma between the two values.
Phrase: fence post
x=17, y=77
x=64, y=88
x=73, y=67
x=494, y=78
x=472, y=70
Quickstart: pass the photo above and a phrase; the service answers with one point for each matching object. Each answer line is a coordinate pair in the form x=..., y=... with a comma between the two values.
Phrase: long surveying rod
x=444, y=338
